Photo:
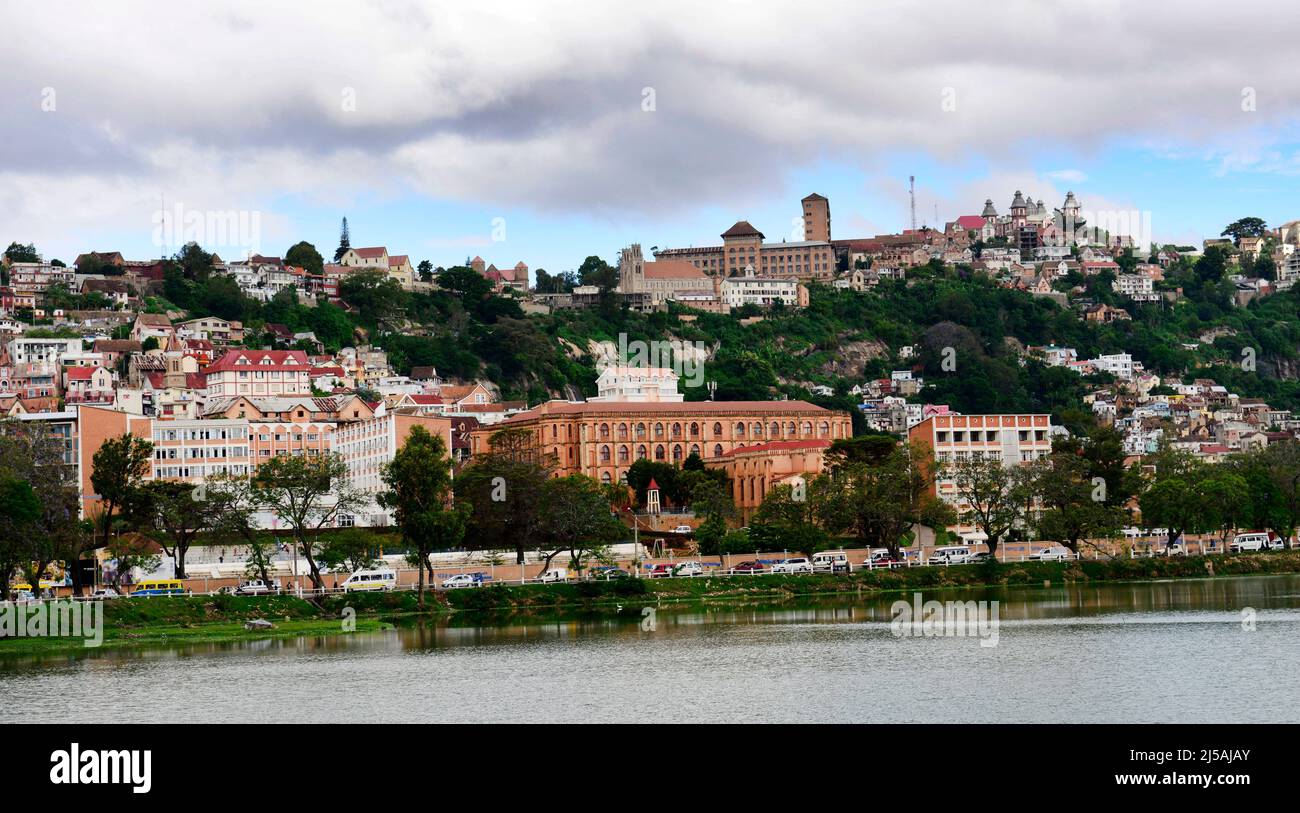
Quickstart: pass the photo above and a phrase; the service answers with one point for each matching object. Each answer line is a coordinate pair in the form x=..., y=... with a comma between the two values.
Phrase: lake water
x=1155, y=652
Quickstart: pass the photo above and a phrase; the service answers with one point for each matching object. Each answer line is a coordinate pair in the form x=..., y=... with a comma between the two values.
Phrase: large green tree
x=420, y=495
x=307, y=493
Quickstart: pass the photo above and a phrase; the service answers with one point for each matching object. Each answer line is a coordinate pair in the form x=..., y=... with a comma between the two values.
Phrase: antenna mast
x=911, y=193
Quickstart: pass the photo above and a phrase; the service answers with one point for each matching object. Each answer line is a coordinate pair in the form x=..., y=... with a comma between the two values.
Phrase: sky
x=546, y=131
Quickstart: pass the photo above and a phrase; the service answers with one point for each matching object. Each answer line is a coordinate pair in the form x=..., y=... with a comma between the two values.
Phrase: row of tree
x=876, y=491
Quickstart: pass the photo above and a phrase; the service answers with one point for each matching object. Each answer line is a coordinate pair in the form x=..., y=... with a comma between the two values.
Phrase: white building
x=624, y=383
x=1135, y=286
x=1119, y=365
x=41, y=351
x=762, y=291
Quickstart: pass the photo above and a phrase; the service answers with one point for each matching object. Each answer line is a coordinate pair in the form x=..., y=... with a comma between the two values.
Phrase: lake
x=1213, y=650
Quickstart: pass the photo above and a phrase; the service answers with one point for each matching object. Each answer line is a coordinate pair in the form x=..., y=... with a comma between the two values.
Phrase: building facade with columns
x=603, y=439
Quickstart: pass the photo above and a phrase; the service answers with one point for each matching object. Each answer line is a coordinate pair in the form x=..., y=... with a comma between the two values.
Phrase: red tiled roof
x=743, y=228
x=373, y=252
x=279, y=360
x=672, y=269
x=779, y=445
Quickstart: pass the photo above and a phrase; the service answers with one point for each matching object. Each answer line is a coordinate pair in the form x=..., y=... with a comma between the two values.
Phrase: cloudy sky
x=547, y=131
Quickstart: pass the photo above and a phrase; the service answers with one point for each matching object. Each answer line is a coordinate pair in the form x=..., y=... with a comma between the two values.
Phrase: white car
x=799, y=565
x=257, y=587
x=954, y=555
x=1055, y=553
x=689, y=569
x=683, y=529
x=462, y=580
x=104, y=593
x=555, y=574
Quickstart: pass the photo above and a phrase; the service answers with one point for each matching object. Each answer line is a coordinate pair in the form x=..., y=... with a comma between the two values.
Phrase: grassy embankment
x=216, y=619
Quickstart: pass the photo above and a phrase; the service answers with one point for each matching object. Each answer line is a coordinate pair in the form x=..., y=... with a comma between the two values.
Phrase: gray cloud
x=539, y=105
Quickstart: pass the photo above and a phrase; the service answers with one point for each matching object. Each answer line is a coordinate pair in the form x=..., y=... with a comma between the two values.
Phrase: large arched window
x=623, y=454
x=604, y=454
x=659, y=452
x=717, y=450
x=659, y=431
x=740, y=430
x=807, y=427
x=717, y=430
x=695, y=430
x=640, y=452
x=825, y=429
x=677, y=453
x=604, y=431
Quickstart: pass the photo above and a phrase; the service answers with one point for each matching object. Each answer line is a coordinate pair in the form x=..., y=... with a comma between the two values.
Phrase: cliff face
x=853, y=358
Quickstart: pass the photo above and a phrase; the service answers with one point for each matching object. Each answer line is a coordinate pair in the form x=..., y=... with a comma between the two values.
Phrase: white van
x=555, y=574
x=1254, y=540
x=370, y=580
x=831, y=561
x=952, y=555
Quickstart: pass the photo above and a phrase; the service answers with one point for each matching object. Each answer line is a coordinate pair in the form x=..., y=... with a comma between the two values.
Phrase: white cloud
x=525, y=104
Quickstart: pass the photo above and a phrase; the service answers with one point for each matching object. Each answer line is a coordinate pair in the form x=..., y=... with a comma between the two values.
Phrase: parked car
x=104, y=593
x=1174, y=549
x=880, y=558
x=831, y=561
x=795, y=565
x=684, y=529
x=746, y=568
x=980, y=556
x=661, y=571
x=257, y=587
x=607, y=573
x=1255, y=540
x=952, y=555
x=1054, y=553
x=689, y=569
x=462, y=580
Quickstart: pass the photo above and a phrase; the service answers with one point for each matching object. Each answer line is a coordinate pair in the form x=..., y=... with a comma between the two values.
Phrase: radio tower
x=911, y=193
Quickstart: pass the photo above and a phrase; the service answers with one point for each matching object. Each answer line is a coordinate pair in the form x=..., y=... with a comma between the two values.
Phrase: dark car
x=747, y=568
x=605, y=574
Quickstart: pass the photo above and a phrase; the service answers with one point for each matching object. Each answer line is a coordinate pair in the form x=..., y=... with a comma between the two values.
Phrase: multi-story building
x=602, y=439
x=816, y=218
x=192, y=450
x=624, y=383
x=259, y=372
x=1135, y=286
x=744, y=246
x=659, y=280
x=753, y=471
x=31, y=280
x=41, y=351
x=368, y=446
x=1119, y=365
x=1013, y=439
x=765, y=291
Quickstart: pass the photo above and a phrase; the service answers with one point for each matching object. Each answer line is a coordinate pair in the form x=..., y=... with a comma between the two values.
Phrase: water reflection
x=1165, y=651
